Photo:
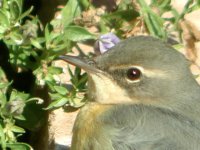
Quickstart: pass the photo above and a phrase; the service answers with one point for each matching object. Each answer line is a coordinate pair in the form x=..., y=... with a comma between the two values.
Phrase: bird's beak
x=79, y=62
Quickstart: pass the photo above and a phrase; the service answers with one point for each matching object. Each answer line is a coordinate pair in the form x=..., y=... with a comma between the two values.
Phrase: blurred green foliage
x=32, y=47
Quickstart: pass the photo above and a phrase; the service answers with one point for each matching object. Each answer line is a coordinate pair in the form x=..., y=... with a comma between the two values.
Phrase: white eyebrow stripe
x=155, y=73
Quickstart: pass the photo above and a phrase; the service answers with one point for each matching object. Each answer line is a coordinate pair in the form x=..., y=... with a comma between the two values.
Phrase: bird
x=141, y=96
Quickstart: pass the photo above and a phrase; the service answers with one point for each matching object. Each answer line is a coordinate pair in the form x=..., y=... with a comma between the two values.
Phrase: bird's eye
x=134, y=74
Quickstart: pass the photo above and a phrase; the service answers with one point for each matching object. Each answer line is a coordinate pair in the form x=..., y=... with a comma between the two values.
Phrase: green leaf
x=165, y=4
x=77, y=72
x=157, y=25
x=26, y=13
x=3, y=99
x=49, y=78
x=85, y=3
x=18, y=95
x=2, y=31
x=4, y=85
x=13, y=95
x=152, y=20
x=54, y=70
x=70, y=11
x=20, y=4
x=2, y=74
x=61, y=90
x=72, y=76
x=20, y=117
x=179, y=47
x=4, y=18
x=60, y=47
x=19, y=146
x=125, y=4
x=55, y=96
x=15, y=108
x=14, y=9
x=36, y=43
x=70, y=72
x=50, y=85
x=17, y=129
x=77, y=102
x=126, y=15
x=60, y=44
x=76, y=33
x=47, y=35
x=82, y=82
x=57, y=103
x=3, y=138
x=17, y=38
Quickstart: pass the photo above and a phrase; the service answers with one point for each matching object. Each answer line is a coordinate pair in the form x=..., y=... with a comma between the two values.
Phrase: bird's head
x=137, y=70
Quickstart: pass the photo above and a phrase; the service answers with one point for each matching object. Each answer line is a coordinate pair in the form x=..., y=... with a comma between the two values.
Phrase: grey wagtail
x=142, y=96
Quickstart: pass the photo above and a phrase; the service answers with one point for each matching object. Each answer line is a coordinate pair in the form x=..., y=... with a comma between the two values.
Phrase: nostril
x=91, y=63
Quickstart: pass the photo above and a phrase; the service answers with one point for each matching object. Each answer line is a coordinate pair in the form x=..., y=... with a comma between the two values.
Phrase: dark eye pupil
x=133, y=74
